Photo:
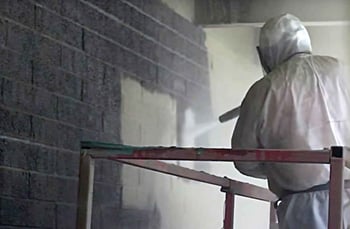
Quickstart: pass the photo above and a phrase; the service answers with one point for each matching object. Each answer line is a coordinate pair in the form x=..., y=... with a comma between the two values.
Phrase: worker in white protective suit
x=303, y=102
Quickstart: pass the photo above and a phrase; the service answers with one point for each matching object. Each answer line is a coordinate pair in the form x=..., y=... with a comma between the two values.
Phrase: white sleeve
x=245, y=135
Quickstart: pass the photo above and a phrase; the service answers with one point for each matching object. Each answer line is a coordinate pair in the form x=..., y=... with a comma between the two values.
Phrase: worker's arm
x=246, y=132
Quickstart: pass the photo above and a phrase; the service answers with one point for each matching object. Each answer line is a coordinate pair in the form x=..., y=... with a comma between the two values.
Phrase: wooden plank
x=86, y=186
x=119, y=151
x=213, y=154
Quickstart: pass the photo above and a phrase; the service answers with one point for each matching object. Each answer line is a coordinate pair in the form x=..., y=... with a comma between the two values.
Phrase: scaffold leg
x=336, y=187
x=86, y=185
x=229, y=210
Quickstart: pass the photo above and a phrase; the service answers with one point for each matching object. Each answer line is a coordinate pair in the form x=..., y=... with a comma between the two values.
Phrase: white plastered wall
x=331, y=41
x=149, y=118
x=234, y=67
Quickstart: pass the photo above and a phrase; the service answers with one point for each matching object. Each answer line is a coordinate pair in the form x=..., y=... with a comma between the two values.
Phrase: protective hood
x=282, y=37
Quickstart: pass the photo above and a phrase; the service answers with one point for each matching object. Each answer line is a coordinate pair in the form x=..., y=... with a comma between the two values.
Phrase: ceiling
x=224, y=13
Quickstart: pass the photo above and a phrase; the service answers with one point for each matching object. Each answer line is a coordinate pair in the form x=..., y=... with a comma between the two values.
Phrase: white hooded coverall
x=303, y=103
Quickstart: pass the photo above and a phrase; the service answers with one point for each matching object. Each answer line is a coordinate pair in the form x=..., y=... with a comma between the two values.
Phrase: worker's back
x=307, y=107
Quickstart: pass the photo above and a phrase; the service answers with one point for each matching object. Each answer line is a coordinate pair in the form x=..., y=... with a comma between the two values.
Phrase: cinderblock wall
x=61, y=62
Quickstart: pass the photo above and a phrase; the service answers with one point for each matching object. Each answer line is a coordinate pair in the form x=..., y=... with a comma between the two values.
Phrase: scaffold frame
x=149, y=158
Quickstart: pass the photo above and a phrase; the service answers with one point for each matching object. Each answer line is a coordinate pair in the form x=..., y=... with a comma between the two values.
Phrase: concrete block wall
x=61, y=65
